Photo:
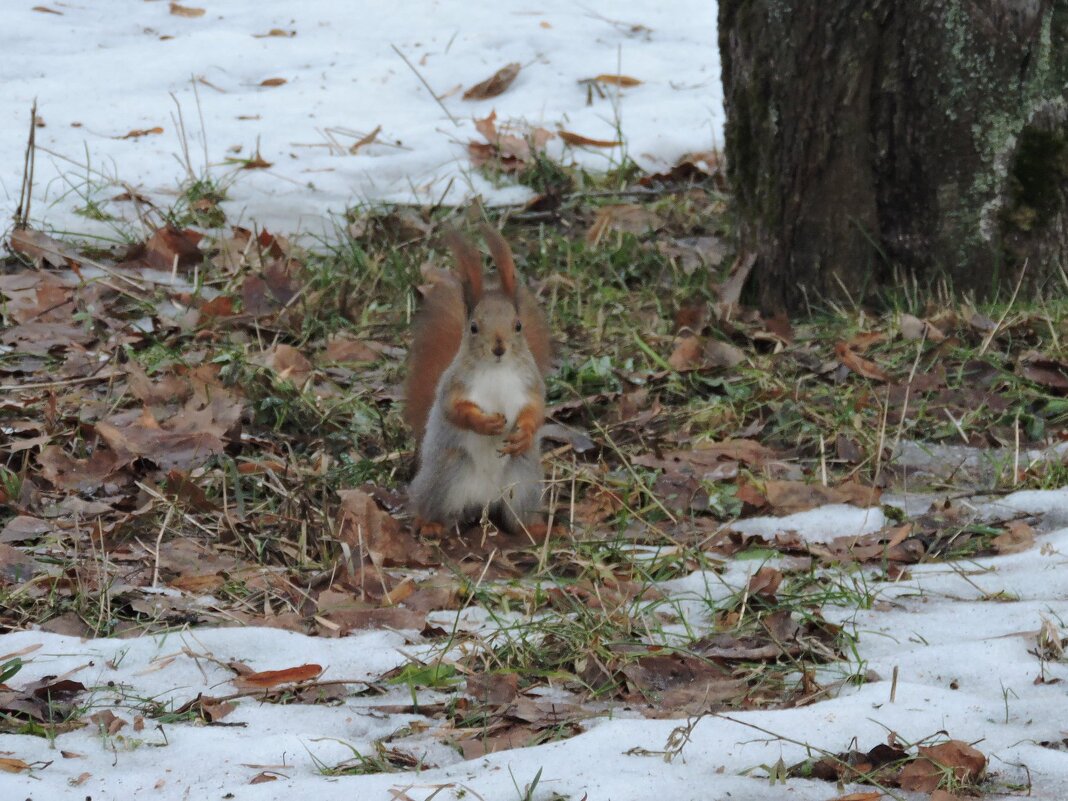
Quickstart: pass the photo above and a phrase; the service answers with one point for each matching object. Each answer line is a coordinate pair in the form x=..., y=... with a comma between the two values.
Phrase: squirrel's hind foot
x=427, y=528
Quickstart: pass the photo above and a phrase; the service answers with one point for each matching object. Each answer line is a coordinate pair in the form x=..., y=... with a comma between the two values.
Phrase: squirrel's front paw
x=490, y=424
x=519, y=441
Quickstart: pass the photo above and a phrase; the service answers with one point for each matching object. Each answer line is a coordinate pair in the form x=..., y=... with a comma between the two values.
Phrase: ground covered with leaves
x=202, y=428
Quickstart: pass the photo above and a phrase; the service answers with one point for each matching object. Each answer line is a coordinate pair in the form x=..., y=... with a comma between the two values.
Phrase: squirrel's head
x=494, y=330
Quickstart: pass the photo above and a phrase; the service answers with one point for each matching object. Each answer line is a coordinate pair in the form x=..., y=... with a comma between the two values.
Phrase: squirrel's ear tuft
x=469, y=262
x=502, y=257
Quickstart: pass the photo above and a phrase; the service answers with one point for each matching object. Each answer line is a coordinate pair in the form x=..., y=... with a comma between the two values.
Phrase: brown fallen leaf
x=915, y=328
x=186, y=11
x=263, y=777
x=257, y=162
x=625, y=217
x=506, y=150
x=273, y=82
x=46, y=10
x=730, y=291
x=929, y=769
x=858, y=364
x=1049, y=373
x=372, y=531
x=170, y=246
x=1019, y=536
x=22, y=528
x=860, y=342
x=578, y=140
x=220, y=306
x=274, y=32
x=687, y=353
x=272, y=678
x=493, y=689
x=364, y=140
x=708, y=455
x=12, y=765
x=511, y=738
x=698, y=166
x=108, y=721
x=495, y=85
x=674, y=683
x=288, y=363
x=40, y=246
x=787, y=497
x=617, y=80
x=351, y=614
x=137, y=133
x=765, y=582
x=65, y=472
x=980, y=322
x=342, y=349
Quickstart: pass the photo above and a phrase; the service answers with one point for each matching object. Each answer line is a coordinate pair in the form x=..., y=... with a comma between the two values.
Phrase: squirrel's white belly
x=496, y=390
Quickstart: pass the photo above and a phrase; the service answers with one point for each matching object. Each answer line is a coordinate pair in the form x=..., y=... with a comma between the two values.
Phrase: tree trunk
x=871, y=141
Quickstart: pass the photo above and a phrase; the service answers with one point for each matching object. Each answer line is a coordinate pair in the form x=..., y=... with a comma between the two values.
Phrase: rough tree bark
x=866, y=141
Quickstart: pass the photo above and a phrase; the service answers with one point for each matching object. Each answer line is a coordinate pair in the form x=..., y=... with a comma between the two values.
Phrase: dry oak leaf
x=578, y=140
x=137, y=133
x=858, y=364
x=730, y=291
x=676, y=682
x=272, y=82
x=39, y=245
x=708, y=455
x=915, y=328
x=510, y=152
x=863, y=340
x=1049, y=373
x=765, y=582
x=928, y=770
x=787, y=497
x=617, y=80
x=493, y=689
x=496, y=84
x=342, y=349
x=78, y=475
x=1018, y=537
x=288, y=363
x=170, y=246
x=108, y=721
x=368, y=529
x=272, y=678
x=165, y=389
x=624, y=217
x=257, y=162
x=187, y=439
x=186, y=11
x=687, y=353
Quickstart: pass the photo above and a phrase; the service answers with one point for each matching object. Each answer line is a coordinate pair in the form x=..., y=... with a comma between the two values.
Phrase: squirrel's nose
x=498, y=348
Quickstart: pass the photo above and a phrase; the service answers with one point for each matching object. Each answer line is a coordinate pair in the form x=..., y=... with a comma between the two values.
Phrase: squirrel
x=475, y=396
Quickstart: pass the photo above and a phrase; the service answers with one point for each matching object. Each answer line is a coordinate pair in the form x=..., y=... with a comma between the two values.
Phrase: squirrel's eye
x=474, y=328
x=518, y=325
